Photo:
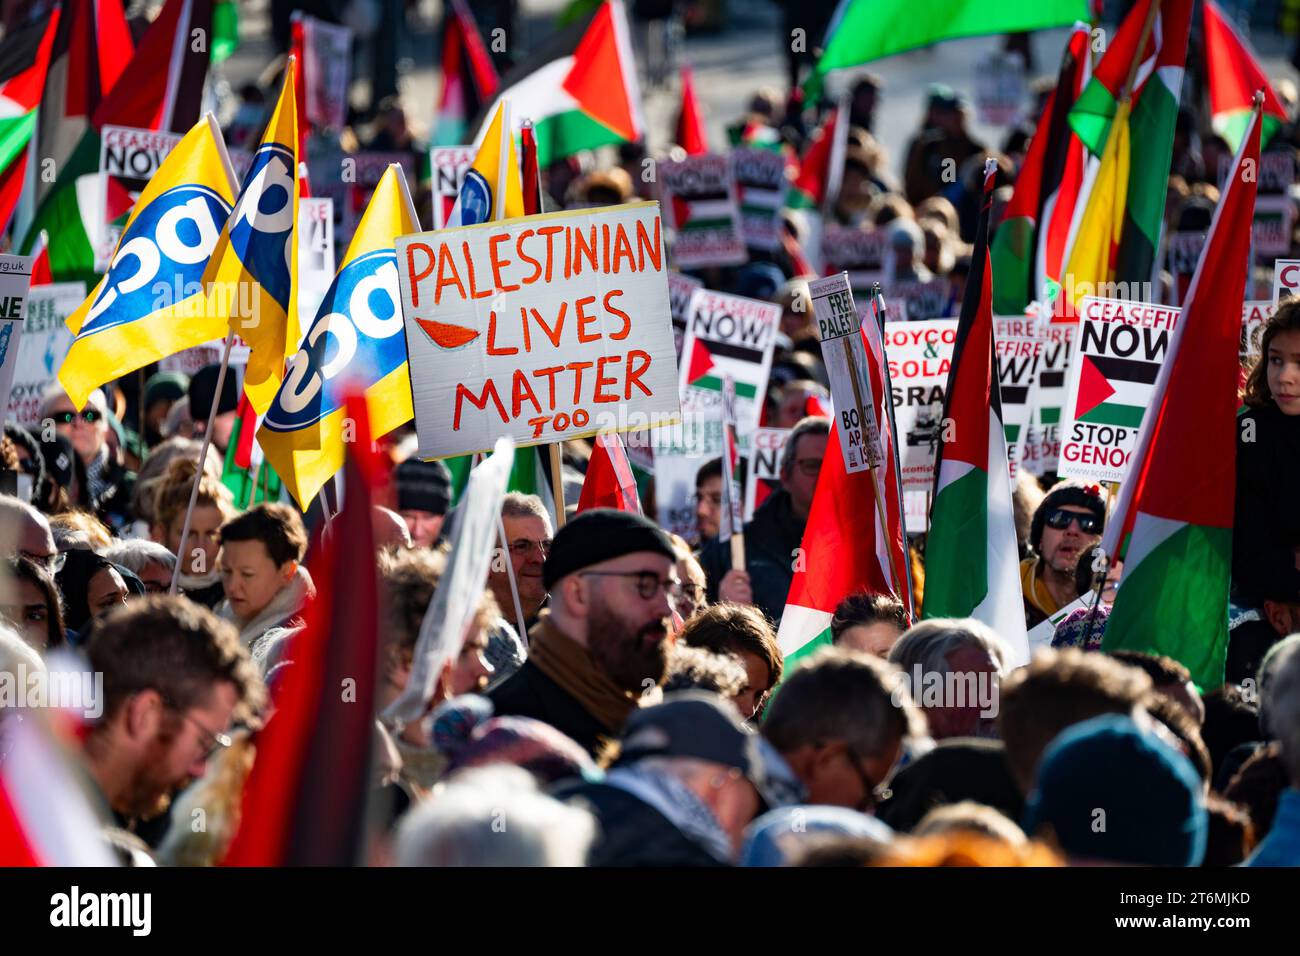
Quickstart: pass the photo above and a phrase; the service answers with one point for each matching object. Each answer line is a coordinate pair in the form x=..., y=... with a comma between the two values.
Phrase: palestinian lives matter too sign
x=845, y=354
x=702, y=211
x=1119, y=350
x=541, y=328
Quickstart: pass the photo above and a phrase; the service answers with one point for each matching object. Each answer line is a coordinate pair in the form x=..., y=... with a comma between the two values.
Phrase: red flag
x=691, y=134
x=532, y=178
x=305, y=800
x=41, y=274
x=1233, y=77
x=609, y=482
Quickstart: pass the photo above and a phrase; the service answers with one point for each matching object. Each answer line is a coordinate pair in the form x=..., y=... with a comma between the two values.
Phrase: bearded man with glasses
x=1067, y=523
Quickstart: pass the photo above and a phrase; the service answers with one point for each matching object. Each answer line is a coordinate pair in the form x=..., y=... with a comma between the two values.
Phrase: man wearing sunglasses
x=108, y=482
x=1066, y=525
x=603, y=640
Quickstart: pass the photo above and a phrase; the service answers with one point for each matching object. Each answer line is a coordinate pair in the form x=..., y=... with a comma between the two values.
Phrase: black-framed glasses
x=648, y=583
x=90, y=416
x=1059, y=519
x=212, y=742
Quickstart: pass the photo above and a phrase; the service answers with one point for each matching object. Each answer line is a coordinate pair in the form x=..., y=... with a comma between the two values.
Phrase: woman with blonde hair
x=200, y=578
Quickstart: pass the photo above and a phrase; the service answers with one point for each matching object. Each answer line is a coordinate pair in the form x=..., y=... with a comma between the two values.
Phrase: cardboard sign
x=1182, y=253
x=1253, y=316
x=541, y=328
x=920, y=355
x=845, y=355
x=702, y=211
x=43, y=347
x=1119, y=350
x=764, y=473
x=1286, y=279
x=760, y=189
x=448, y=164
x=680, y=289
x=727, y=335
x=128, y=158
x=15, y=277
x=1041, y=449
x=326, y=72
x=1001, y=88
x=1018, y=348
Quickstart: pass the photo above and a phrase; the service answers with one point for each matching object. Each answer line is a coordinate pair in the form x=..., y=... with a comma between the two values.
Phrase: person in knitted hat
x=603, y=641
x=1109, y=791
x=423, y=493
x=1066, y=524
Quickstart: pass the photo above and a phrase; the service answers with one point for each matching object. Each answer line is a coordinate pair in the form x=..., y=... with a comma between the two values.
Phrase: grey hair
x=13, y=513
x=1280, y=701
x=516, y=504
x=136, y=554
x=1273, y=660
x=494, y=816
x=55, y=392
x=967, y=816
x=929, y=643
x=812, y=425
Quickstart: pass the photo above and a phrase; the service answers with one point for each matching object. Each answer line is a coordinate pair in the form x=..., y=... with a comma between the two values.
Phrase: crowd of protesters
x=633, y=707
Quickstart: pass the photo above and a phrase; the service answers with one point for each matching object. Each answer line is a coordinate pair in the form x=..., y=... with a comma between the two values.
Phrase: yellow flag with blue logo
x=152, y=301
x=254, y=271
x=356, y=343
x=491, y=188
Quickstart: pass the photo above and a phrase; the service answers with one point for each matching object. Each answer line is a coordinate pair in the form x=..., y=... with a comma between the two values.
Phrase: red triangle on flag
x=701, y=362
x=596, y=80
x=1094, y=388
x=681, y=211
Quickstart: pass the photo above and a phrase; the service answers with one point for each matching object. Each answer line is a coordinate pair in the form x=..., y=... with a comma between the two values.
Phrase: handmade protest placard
x=764, y=473
x=845, y=355
x=727, y=335
x=448, y=165
x=920, y=354
x=760, y=190
x=541, y=328
x=43, y=347
x=1117, y=358
x=702, y=211
x=1018, y=348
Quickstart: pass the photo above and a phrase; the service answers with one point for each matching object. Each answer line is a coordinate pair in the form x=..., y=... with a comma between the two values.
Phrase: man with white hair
x=1280, y=719
x=953, y=667
x=149, y=561
x=494, y=816
x=108, y=482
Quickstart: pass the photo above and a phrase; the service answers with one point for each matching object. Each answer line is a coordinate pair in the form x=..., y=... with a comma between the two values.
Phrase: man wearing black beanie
x=1067, y=523
x=603, y=641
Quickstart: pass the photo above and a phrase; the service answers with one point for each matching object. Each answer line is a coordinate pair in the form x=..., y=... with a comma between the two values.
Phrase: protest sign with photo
x=702, y=211
x=15, y=277
x=680, y=289
x=326, y=71
x=760, y=189
x=920, y=354
x=845, y=355
x=128, y=158
x=1001, y=88
x=727, y=335
x=1286, y=279
x=1183, y=249
x=43, y=347
x=763, y=476
x=541, y=328
x=448, y=165
x=1117, y=357
x=1041, y=449
x=1018, y=347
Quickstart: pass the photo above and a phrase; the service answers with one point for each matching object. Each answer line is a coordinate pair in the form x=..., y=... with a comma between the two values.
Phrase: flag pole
x=878, y=309
x=557, y=482
x=514, y=585
x=203, y=459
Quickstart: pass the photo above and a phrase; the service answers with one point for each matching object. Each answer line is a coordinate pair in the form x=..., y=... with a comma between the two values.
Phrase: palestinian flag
x=1023, y=252
x=867, y=30
x=691, y=134
x=1173, y=523
x=160, y=89
x=24, y=59
x=304, y=803
x=1114, y=391
x=579, y=87
x=845, y=548
x=1150, y=112
x=972, y=559
x=469, y=80
x=710, y=363
x=1233, y=76
x=609, y=482
x=816, y=183
x=703, y=212
x=247, y=474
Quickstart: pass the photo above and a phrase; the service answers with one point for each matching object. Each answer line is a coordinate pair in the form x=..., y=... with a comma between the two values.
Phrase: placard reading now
x=542, y=328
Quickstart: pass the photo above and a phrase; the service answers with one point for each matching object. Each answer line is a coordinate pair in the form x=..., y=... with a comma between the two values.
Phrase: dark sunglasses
x=1060, y=519
x=89, y=416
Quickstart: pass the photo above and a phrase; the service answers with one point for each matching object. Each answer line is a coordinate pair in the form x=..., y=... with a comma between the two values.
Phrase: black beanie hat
x=1068, y=492
x=203, y=389
x=602, y=534
x=422, y=486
